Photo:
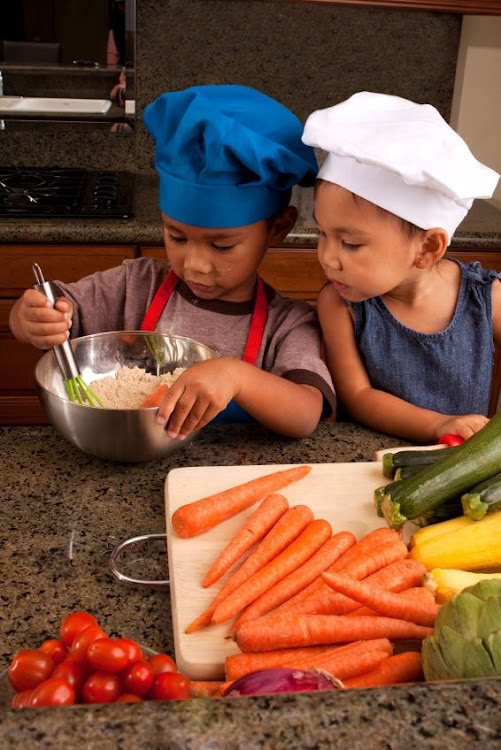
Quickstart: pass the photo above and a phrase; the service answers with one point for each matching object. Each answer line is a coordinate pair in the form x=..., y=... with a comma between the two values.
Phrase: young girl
x=227, y=158
x=408, y=332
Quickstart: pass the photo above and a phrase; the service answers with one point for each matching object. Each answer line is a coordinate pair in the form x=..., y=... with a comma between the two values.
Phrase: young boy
x=227, y=158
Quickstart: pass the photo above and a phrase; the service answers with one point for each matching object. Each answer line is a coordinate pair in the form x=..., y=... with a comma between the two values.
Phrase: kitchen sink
x=58, y=105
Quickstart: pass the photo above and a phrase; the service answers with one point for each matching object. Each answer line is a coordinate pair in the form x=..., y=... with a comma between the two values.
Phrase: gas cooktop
x=59, y=192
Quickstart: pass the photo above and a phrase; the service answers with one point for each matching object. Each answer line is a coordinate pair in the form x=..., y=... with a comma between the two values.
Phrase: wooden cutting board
x=342, y=493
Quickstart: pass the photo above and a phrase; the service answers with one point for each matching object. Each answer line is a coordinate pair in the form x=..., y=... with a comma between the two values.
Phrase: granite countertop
x=64, y=512
x=480, y=230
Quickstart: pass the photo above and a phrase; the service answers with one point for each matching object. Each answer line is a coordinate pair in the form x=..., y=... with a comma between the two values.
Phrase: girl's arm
x=375, y=408
x=206, y=388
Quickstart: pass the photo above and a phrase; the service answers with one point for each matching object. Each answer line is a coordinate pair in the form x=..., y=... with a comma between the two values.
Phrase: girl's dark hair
x=410, y=230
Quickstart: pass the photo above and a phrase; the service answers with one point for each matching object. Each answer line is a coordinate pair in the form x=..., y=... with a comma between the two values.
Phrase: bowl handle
x=128, y=579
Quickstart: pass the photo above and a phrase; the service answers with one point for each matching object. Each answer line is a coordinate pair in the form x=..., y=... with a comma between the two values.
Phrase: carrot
x=237, y=665
x=349, y=660
x=299, y=578
x=417, y=594
x=383, y=602
x=321, y=600
x=207, y=688
x=300, y=550
x=312, y=660
x=201, y=515
x=283, y=631
x=155, y=398
x=286, y=529
x=398, y=669
x=253, y=530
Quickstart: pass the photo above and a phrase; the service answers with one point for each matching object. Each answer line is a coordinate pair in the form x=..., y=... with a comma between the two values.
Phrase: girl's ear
x=281, y=224
x=432, y=247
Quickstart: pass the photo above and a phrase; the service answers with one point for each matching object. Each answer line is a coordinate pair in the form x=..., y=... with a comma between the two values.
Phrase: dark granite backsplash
x=307, y=55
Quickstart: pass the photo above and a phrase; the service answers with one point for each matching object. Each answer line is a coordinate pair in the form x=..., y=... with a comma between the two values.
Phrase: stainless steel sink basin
x=56, y=105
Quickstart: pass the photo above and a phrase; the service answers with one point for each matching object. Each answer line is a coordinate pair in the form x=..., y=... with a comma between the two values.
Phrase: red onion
x=282, y=680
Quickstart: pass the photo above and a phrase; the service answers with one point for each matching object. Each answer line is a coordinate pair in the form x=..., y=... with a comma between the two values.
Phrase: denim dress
x=450, y=371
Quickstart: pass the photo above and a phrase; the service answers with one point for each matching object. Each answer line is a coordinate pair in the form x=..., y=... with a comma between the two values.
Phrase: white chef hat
x=401, y=156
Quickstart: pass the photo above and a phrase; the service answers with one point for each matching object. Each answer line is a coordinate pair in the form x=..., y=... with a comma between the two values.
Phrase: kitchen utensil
x=342, y=493
x=76, y=387
x=130, y=435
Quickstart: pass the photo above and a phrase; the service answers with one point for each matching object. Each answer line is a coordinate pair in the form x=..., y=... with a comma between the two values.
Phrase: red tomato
x=53, y=692
x=56, y=650
x=73, y=624
x=162, y=663
x=451, y=440
x=170, y=686
x=72, y=672
x=138, y=677
x=132, y=649
x=101, y=687
x=78, y=650
x=28, y=668
x=22, y=699
x=105, y=655
x=128, y=698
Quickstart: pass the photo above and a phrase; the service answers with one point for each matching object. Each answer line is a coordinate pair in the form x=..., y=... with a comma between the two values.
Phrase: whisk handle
x=63, y=353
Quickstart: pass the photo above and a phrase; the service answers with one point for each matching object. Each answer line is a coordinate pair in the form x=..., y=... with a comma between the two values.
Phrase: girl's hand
x=198, y=395
x=465, y=425
x=34, y=321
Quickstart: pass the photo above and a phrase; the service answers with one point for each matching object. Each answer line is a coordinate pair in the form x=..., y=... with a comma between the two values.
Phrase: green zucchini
x=394, y=461
x=444, y=512
x=461, y=468
x=482, y=499
x=404, y=472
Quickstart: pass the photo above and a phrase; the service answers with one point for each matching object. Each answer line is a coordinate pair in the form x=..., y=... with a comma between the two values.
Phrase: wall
x=308, y=55
x=476, y=106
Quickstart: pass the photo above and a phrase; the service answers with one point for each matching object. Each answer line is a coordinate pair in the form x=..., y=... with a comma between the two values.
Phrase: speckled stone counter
x=62, y=514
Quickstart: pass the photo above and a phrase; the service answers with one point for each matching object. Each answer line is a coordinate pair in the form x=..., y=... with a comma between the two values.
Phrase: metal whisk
x=76, y=388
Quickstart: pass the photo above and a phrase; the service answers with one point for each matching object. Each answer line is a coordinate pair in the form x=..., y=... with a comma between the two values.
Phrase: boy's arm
x=375, y=408
x=206, y=388
x=496, y=312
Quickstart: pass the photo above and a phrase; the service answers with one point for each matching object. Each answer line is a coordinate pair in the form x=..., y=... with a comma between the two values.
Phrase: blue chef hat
x=226, y=155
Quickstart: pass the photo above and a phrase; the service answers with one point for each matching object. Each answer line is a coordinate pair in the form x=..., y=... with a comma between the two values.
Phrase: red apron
x=233, y=412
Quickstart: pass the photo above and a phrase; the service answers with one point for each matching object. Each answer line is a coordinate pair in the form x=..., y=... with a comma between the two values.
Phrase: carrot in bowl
x=201, y=515
x=155, y=398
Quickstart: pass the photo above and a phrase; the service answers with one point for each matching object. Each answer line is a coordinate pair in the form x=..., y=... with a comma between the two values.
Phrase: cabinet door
x=64, y=262
x=19, y=402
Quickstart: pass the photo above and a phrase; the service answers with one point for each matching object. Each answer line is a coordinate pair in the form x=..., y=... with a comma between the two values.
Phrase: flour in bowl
x=130, y=386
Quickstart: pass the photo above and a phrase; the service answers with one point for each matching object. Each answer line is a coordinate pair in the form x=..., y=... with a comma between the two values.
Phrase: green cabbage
x=466, y=639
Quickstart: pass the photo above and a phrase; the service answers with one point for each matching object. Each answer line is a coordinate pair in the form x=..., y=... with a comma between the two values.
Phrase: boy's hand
x=198, y=395
x=465, y=425
x=34, y=321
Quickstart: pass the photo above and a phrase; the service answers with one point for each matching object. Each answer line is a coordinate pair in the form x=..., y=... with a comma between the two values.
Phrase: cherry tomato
x=451, y=440
x=28, y=668
x=132, y=649
x=53, y=692
x=78, y=650
x=73, y=624
x=138, y=677
x=128, y=698
x=22, y=699
x=101, y=687
x=72, y=672
x=105, y=655
x=170, y=686
x=56, y=650
x=162, y=663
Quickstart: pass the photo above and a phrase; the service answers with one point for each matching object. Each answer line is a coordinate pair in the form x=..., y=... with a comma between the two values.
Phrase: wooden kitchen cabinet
x=19, y=403
x=294, y=272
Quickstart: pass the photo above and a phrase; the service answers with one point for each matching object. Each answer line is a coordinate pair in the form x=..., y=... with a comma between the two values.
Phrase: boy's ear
x=432, y=247
x=282, y=224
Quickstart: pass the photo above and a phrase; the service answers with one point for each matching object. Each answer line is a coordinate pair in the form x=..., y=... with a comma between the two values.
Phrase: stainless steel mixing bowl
x=130, y=435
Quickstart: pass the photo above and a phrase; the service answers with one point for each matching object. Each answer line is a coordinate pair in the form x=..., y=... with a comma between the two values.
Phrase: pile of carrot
x=309, y=598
